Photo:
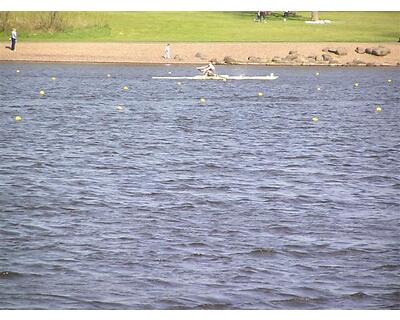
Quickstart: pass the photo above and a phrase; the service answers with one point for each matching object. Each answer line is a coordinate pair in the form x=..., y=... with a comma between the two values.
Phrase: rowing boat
x=222, y=77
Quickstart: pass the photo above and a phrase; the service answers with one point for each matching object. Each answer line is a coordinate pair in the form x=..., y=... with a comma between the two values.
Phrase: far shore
x=257, y=53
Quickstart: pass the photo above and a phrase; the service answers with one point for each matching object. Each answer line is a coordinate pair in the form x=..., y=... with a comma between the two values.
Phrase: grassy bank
x=200, y=26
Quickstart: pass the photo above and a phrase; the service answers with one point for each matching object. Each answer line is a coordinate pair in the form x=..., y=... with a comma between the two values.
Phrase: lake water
x=166, y=202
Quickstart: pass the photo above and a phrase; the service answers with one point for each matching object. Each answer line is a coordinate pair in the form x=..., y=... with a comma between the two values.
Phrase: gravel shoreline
x=257, y=53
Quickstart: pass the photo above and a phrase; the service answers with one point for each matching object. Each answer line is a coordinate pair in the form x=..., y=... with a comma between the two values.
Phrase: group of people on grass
x=262, y=15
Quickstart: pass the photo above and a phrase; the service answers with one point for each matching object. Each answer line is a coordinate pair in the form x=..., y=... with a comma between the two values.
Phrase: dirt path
x=151, y=52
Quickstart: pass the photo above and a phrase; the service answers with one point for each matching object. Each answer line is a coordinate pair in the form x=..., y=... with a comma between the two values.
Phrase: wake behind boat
x=222, y=77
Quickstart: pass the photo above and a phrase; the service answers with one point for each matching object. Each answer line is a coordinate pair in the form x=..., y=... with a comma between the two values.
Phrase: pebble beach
x=263, y=53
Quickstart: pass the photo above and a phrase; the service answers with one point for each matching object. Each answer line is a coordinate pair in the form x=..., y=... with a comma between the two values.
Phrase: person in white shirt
x=208, y=70
x=167, y=52
x=13, y=39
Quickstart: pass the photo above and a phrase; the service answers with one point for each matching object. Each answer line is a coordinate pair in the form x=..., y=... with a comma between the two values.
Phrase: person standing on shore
x=13, y=39
x=167, y=52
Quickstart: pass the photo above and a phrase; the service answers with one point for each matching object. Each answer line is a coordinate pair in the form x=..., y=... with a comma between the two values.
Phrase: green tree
x=4, y=21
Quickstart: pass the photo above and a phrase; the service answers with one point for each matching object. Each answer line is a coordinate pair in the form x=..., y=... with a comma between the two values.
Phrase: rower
x=208, y=70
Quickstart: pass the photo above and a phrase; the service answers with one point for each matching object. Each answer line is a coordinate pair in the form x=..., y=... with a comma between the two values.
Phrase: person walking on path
x=13, y=39
x=167, y=52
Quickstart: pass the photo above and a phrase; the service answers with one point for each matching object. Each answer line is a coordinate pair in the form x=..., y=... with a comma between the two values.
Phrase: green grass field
x=201, y=26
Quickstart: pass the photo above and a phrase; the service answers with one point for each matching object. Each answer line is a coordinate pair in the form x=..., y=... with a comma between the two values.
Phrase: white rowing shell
x=222, y=77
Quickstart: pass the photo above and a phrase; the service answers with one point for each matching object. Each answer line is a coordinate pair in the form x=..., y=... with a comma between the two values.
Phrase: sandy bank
x=196, y=53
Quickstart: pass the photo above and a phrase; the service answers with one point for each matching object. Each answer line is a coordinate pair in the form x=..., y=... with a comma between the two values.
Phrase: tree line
x=51, y=21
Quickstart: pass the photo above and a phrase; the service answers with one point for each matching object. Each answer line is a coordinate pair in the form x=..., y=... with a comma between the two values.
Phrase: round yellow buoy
x=389, y=80
x=17, y=71
x=260, y=94
x=108, y=75
x=41, y=93
x=18, y=118
x=314, y=119
x=120, y=108
x=169, y=72
x=317, y=73
x=53, y=78
x=179, y=83
x=356, y=84
x=202, y=100
x=378, y=109
x=318, y=88
x=126, y=88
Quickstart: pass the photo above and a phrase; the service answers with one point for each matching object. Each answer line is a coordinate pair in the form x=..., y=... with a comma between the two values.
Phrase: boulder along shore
x=258, y=53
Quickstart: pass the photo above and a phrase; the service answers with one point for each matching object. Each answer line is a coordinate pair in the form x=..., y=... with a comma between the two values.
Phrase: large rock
x=229, y=60
x=178, y=58
x=360, y=50
x=276, y=59
x=292, y=56
x=253, y=59
x=200, y=56
x=378, y=51
x=339, y=51
x=326, y=49
x=369, y=50
x=293, y=52
x=327, y=57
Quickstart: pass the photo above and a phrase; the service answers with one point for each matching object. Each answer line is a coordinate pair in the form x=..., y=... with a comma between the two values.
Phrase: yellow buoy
x=318, y=88
x=260, y=94
x=179, y=83
x=41, y=93
x=53, y=78
x=126, y=88
x=17, y=71
x=108, y=75
x=202, y=100
x=169, y=72
x=317, y=73
x=356, y=84
x=378, y=109
x=314, y=119
x=389, y=80
x=120, y=108
x=18, y=118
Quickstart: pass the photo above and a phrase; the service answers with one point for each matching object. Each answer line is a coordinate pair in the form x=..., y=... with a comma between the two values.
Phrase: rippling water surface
x=240, y=202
